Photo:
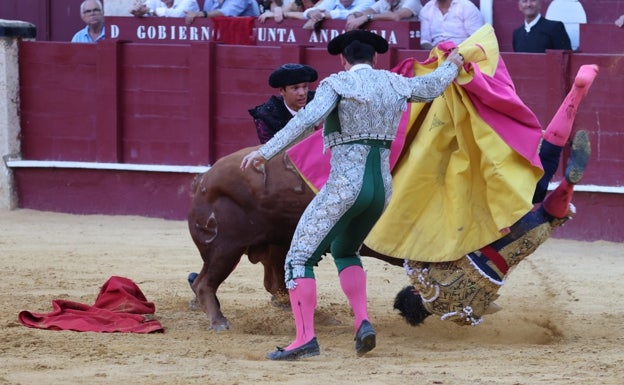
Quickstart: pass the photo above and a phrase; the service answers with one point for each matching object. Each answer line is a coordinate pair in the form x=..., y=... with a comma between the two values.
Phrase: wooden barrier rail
x=601, y=38
x=403, y=34
x=124, y=103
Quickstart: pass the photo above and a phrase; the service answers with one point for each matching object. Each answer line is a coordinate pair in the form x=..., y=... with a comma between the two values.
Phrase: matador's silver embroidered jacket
x=360, y=118
x=370, y=106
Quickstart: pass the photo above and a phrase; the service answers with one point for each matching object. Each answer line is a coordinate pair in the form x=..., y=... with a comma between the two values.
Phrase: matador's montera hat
x=292, y=73
x=338, y=44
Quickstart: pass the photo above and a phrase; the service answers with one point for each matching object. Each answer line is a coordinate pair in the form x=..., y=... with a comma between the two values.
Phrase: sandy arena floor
x=561, y=321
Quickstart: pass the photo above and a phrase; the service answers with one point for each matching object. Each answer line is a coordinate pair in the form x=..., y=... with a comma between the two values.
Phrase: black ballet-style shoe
x=579, y=156
x=309, y=349
x=365, y=338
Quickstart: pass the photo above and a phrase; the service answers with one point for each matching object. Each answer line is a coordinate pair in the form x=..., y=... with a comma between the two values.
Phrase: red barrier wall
x=186, y=104
x=58, y=20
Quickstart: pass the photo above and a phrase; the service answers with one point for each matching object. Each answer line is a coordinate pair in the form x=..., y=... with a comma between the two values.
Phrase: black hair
x=358, y=52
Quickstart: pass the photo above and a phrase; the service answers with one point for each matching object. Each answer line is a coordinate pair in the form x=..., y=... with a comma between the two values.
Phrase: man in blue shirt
x=92, y=14
x=165, y=8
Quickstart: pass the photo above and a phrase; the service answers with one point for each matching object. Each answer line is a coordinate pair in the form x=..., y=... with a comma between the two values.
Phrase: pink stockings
x=558, y=131
x=353, y=284
x=303, y=302
x=557, y=203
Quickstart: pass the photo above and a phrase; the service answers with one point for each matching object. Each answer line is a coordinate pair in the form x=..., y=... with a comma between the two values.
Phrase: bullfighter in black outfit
x=292, y=80
x=538, y=33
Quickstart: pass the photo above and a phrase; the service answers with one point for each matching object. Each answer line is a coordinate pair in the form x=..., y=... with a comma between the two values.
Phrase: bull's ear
x=410, y=306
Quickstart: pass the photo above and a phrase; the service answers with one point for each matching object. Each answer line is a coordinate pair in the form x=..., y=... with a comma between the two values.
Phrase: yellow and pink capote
x=464, y=166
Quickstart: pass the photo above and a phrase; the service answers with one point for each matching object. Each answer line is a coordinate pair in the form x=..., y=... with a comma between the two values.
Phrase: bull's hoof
x=194, y=304
x=220, y=326
x=280, y=302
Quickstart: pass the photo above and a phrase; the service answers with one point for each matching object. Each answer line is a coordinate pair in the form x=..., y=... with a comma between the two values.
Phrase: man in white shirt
x=333, y=9
x=165, y=8
x=444, y=20
x=389, y=10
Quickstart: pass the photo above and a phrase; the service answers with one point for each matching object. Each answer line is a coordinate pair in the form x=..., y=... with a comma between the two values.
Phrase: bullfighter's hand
x=252, y=159
x=455, y=57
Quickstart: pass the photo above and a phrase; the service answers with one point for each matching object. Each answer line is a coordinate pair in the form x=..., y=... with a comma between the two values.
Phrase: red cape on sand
x=118, y=308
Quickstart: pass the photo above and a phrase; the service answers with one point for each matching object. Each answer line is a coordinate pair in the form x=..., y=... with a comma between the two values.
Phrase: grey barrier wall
x=11, y=32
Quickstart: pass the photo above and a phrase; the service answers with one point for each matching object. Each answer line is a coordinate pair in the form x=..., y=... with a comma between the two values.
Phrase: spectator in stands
x=448, y=20
x=280, y=10
x=392, y=10
x=538, y=33
x=213, y=8
x=92, y=13
x=164, y=8
x=285, y=9
x=292, y=81
x=333, y=9
x=620, y=21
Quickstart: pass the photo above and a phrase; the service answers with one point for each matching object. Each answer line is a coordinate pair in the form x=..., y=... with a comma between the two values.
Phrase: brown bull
x=254, y=213
x=235, y=213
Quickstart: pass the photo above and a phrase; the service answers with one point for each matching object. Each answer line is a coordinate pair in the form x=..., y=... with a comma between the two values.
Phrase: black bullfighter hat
x=338, y=44
x=292, y=73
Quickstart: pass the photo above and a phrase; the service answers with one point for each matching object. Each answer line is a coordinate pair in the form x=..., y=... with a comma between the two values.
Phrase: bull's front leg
x=205, y=287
